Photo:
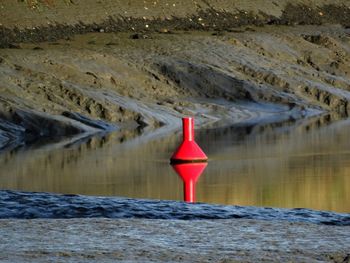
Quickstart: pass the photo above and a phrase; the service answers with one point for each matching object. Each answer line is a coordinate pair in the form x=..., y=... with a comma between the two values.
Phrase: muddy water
x=288, y=164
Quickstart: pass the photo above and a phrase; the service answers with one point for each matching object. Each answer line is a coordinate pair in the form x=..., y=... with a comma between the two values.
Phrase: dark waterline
x=27, y=205
x=289, y=164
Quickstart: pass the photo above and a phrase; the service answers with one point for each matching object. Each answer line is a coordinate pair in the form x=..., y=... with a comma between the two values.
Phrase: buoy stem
x=190, y=191
x=188, y=129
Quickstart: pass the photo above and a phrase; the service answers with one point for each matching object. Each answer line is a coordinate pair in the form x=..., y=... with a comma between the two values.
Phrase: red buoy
x=189, y=173
x=189, y=151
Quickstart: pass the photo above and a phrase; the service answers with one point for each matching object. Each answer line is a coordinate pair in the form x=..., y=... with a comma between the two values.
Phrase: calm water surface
x=290, y=164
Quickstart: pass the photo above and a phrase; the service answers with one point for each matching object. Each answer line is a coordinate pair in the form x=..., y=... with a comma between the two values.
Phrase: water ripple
x=29, y=205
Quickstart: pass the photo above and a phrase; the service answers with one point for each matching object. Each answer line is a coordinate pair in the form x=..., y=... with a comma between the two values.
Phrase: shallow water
x=290, y=164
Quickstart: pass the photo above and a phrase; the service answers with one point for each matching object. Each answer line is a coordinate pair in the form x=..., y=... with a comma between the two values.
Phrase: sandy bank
x=134, y=240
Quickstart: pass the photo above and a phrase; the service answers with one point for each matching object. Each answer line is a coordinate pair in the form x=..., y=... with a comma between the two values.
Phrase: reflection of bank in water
x=294, y=164
x=303, y=163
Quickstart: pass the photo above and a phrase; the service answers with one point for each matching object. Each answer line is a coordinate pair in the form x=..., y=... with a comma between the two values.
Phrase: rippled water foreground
x=293, y=164
x=24, y=205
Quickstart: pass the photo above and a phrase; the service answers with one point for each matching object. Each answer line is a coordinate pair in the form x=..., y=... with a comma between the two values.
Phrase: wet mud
x=101, y=82
x=138, y=240
x=94, y=229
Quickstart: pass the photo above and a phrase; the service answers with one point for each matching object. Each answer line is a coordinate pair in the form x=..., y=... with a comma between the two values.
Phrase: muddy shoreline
x=100, y=82
x=203, y=16
x=139, y=240
x=129, y=66
x=94, y=229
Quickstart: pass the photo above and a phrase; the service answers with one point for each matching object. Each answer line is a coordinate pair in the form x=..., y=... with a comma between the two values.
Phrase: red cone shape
x=189, y=173
x=189, y=151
